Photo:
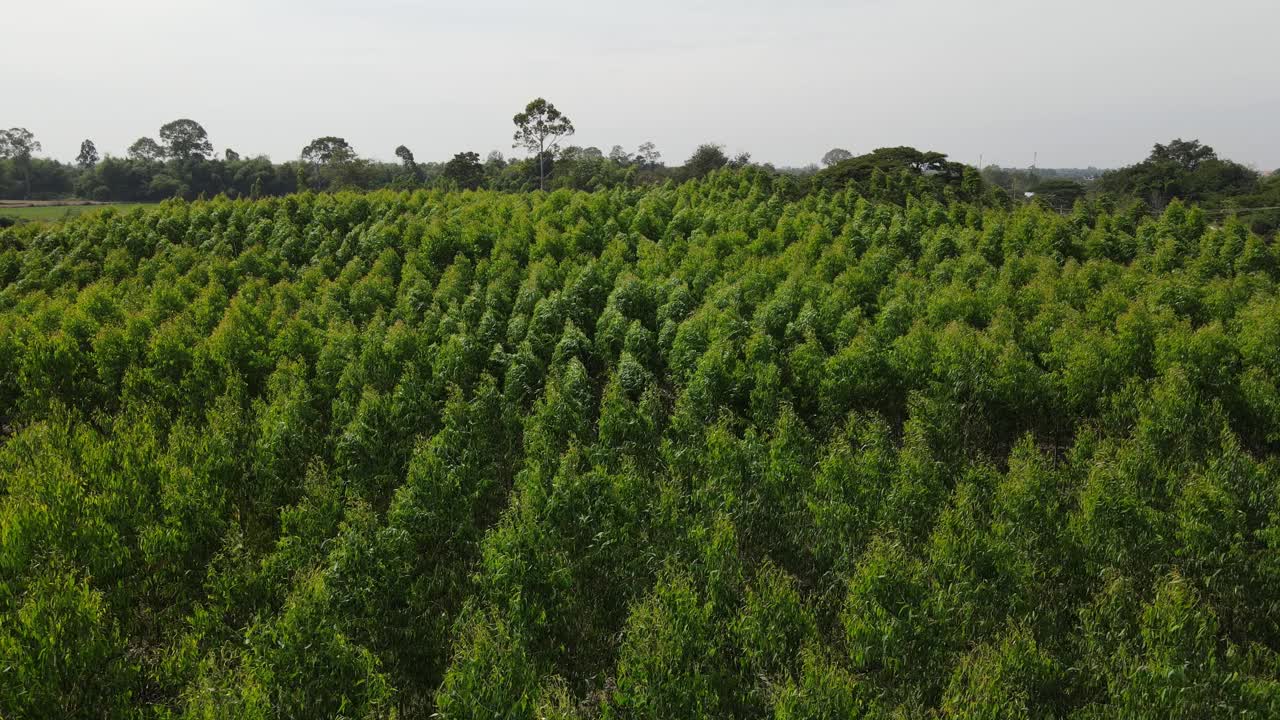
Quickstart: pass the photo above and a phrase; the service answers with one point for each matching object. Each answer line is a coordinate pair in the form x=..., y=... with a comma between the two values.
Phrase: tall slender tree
x=88, y=156
x=539, y=129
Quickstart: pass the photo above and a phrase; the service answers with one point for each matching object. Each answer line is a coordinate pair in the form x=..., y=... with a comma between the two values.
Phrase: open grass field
x=51, y=213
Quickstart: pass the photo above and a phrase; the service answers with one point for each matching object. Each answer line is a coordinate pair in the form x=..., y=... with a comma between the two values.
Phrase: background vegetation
x=182, y=164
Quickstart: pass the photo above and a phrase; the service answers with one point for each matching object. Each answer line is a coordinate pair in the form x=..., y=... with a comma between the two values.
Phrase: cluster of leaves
x=706, y=450
x=900, y=172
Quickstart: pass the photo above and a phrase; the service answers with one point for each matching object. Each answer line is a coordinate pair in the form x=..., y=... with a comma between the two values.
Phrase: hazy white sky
x=1085, y=82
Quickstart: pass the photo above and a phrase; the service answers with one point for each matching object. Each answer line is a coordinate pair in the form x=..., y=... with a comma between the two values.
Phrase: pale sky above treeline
x=1089, y=82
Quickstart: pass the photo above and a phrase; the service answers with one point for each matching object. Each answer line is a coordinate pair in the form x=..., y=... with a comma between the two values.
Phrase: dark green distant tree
x=88, y=156
x=185, y=139
x=411, y=167
x=336, y=164
x=146, y=149
x=835, y=155
x=1060, y=195
x=231, y=155
x=708, y=157
x=406, y=156
x=587, y=169
x=1186, y=153
x=18, y=144
x=328, y=150
x=880, y=170
x=619, y=155
x=539, y=130
x=1183, y=169
x=466, y=170
x=647, y=155
x=494, y=164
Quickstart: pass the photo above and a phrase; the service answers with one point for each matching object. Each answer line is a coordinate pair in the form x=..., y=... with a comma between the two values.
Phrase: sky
x=1074, y=84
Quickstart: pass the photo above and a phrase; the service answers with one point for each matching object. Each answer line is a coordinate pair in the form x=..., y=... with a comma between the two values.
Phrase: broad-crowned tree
x=18, y=143
x=327, y=150
x=835, y=155
x=466, y=170
x=339, y=166
x=184, y=139
x=708, y=157
x=145, y=148
x=1187, y=153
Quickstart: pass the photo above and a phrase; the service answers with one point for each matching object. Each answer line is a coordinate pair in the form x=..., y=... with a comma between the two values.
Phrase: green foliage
x=714, y=449
x=491, y=675
x=668, y=664
x=1011, y=679
x=308, y=668
x=63, y=654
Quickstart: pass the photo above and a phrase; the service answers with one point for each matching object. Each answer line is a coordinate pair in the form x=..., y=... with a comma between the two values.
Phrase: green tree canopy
x=147, y=149
x=835, y=155
x=466, y=170
x=185, y=139
x=328, y=150
x=705, y=159
x=88, y=156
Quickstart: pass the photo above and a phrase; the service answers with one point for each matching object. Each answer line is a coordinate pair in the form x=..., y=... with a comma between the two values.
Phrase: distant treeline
x=1186, y=170
x=182, y=163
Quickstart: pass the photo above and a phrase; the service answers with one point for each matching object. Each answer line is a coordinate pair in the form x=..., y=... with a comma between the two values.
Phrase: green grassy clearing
x=54, y=213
